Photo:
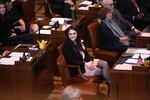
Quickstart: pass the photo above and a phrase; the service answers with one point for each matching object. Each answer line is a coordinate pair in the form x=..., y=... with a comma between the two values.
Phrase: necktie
x=135, y=5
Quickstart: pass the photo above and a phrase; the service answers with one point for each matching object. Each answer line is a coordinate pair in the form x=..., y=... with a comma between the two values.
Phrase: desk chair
x=98, y=52
x=86, y=87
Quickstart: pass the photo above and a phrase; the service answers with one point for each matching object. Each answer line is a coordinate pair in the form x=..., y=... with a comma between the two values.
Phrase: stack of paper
x=44, y=32
x=143, y=51
x=17, y=55
x=60, y=20
x=138, y=51
x=123, y=67
x=145, y=34
x=132, y=61
x=86, y=2
x=143, y=56
x=8, y=61
x=84, y=8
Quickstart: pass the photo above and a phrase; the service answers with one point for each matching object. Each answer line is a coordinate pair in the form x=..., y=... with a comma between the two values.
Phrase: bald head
x=108, y=4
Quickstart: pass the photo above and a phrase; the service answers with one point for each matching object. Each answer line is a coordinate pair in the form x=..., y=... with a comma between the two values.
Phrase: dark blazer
x=5, y=27
x=74, y=57
x=108, y=40
x=126, y=9
x=58, y=6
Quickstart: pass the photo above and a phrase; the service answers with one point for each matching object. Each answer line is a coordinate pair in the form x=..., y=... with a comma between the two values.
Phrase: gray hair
x=71, y=93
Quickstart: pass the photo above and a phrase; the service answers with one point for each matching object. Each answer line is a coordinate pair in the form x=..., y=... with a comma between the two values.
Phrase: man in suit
x=124, y=24
x=111, y=36
x=134, y=12
x=62, y=7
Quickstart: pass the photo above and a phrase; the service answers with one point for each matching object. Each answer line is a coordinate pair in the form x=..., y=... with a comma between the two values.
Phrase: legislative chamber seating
x=98, y=52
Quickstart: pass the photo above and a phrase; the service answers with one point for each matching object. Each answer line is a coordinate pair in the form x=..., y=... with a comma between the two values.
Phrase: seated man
x=133, y=11
x=111, y=36
x=124, y=24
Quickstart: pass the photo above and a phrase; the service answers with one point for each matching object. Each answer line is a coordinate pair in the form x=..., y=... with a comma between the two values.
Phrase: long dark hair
x=78, y=46
x=6, y=15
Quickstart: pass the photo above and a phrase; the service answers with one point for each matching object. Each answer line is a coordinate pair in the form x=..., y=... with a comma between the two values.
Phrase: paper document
x=29, y=59
x=143, y=56
x=131, y=61
x=138, y=51
x=7, y=61
x=84, y=8
x=123, y=67
x=145, y=34
x=63, y=28
x=46, y=26
x=60, y=20
x=143, y=51
x=86, y=2
x=17, y=54
x=44, y=32
x=17, y=58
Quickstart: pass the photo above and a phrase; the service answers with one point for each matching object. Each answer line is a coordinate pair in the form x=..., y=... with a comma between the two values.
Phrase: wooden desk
x=27, y=80
x=90, y=14
x=26, y=65
x=129, y=85
x=141, y=42
x=58, y=36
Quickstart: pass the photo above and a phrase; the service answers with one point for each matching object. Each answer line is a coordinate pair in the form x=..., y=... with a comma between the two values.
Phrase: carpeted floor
x=58, y=89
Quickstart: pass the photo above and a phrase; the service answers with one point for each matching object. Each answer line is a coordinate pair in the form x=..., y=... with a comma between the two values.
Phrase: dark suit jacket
x=126, y=9
x=58, y=6
x=73, y=57
x=5, y=28
x=108, y=40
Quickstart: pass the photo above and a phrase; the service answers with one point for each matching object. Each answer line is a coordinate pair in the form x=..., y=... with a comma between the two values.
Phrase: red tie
x=135, y=5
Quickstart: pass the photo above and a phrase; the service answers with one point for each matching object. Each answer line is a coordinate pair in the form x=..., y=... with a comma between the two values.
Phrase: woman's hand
x=90, y=65
x=93, y=66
